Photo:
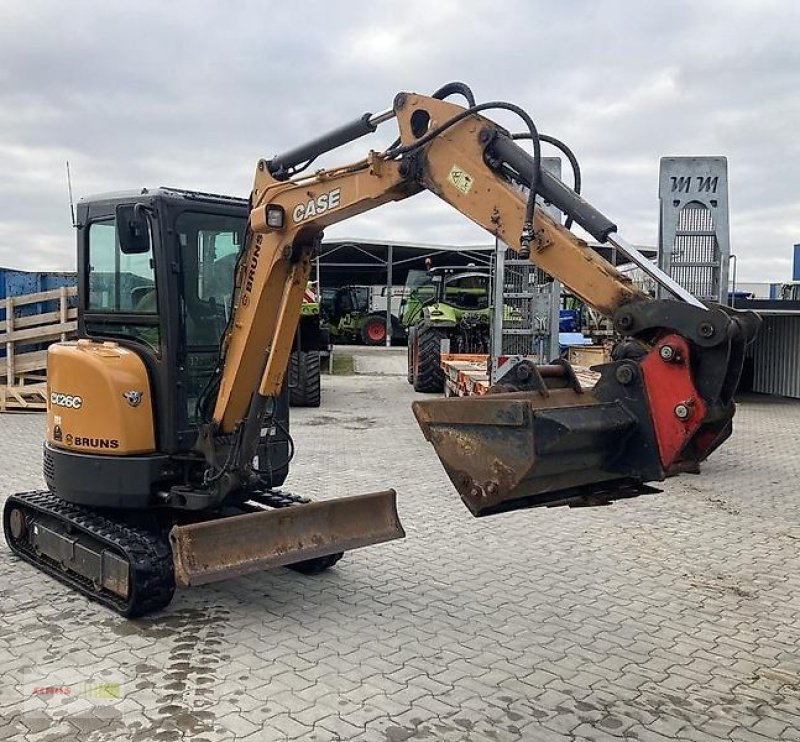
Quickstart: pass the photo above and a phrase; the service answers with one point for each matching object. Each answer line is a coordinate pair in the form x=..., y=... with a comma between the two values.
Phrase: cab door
x=126, y=298
x=208, y=245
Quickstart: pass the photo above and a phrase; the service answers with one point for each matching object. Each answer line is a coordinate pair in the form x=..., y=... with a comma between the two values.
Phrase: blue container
x=796, y=267
x=569, y=320
x=18, y=283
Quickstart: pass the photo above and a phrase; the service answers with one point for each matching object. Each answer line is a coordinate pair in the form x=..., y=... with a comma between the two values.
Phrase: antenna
x=71, y=202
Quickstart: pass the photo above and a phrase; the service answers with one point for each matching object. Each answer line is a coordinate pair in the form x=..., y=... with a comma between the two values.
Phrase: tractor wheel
x=304, y=379
x=315, y=566
x=412, y=338
x=373, y=331
x=428, y=374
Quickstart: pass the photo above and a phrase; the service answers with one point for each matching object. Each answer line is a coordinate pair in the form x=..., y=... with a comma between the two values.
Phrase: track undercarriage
x=132, y=562
x=126, y=567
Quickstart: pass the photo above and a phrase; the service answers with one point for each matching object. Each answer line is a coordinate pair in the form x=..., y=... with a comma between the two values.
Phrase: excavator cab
x=162, y=304
x=169, y=300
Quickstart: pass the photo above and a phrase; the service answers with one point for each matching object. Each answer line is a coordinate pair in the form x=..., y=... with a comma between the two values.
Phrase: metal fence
x=528, y=298
x=776, y=356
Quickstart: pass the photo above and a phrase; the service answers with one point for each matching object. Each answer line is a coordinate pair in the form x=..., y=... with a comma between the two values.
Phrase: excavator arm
x=660, y=410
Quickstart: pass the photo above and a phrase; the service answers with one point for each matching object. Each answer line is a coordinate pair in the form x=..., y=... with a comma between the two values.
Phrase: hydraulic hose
x=455, y=88
x=568, y=153
x=535, y=174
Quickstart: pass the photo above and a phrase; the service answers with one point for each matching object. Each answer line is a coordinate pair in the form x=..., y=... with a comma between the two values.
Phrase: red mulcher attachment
x=661, y=408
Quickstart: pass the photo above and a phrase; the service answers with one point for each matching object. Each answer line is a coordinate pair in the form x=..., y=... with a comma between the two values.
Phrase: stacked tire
x=305, y=379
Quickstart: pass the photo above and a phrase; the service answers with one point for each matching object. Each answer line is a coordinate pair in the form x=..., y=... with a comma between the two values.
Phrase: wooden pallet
x=23, y=376
x=467, y=375
x=589, y=355
x=26, y=397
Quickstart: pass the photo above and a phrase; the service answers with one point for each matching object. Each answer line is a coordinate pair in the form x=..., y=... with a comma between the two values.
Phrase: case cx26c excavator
x=167, y=424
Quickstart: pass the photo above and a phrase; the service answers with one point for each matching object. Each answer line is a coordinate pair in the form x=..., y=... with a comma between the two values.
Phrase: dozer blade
x=229, y=546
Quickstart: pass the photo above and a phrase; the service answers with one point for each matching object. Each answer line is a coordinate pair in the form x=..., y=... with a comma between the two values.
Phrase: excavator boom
x=546, y=440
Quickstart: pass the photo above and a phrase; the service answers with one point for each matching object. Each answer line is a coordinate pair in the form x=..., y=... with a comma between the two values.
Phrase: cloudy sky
x=191, y=94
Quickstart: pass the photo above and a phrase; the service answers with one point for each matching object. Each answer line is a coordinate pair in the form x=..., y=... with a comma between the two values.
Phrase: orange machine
x=167, y=432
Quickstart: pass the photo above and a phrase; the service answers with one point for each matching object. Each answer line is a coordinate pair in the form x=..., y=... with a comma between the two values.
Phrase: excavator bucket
x=521, y=449
x=236, y=545
x=557, y=443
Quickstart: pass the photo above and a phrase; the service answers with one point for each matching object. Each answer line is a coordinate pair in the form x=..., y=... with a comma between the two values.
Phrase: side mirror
x=132, y=229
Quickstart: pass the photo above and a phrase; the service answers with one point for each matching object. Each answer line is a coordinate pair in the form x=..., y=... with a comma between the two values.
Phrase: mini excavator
x=167, y=424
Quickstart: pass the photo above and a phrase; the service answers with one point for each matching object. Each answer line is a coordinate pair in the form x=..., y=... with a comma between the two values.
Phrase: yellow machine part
x=98, y=399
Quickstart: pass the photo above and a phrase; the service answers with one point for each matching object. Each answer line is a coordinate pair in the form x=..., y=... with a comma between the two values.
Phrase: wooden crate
x=23, y=374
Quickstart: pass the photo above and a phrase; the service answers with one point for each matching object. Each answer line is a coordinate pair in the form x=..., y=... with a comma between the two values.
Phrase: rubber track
x=304, y=379
x=429, y=376
x=151, y=578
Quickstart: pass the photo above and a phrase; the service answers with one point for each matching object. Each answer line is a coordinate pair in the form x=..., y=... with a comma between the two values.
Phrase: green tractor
x=355, y=314
x=444, y=303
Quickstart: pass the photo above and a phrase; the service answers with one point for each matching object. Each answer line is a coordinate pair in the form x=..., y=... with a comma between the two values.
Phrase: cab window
x=209, y=247
x=121, y=300
x=118, y=282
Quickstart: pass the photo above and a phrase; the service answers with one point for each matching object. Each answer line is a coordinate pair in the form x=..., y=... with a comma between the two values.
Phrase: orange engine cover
x=98, y=399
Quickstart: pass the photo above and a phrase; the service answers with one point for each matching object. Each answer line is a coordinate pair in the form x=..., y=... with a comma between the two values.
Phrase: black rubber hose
x=504, y=152
x=455, y=88
x=527, y=227
x=568, y=153
x=290, y=455
x=451, y=88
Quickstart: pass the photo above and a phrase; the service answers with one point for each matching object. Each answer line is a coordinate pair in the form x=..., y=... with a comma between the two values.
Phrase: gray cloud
x=191, y=94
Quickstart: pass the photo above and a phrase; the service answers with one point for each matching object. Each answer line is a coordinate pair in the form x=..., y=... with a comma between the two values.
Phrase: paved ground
x=376, y=361
x=670, y=617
